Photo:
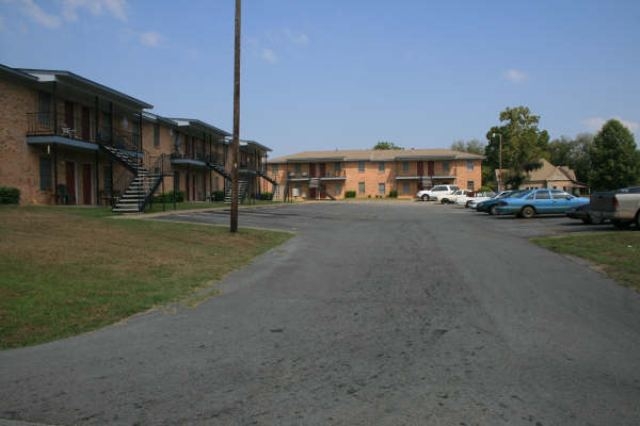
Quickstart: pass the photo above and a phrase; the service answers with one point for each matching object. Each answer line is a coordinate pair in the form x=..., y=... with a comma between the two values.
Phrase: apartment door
x=420, y=168
x=86, y=184
x=312, y=170
x=70, y=181
x=430, y=168
x=69, y=117
x=85, y=131
x=323, y=169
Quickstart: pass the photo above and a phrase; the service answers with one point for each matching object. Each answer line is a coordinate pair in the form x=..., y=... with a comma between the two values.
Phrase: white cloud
x=594, y=124
x=301, y=39
x=515, y=76
x=269, y=56
x=115, y=8
x=150, y=38
x=35, y=13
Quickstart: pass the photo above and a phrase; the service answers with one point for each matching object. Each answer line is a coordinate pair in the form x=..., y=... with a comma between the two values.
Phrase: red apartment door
x=70, y=181
x=430, y=168
x=85, y=131
x=86, y=184
x=69, y=118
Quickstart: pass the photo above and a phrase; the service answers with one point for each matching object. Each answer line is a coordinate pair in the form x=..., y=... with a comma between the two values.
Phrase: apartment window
x=156, y=135
x=338, y=190
x=361, y=166
x=275, y=169
x=405, y=166
x=470, y=165
x=471, y=185
x=45, y=173
x=176, y=181
x=361, y=188
x=337, y=167
x=381, y=167
x=405, y=188
x=446, y=166
x=297, y=168
x=382, y=189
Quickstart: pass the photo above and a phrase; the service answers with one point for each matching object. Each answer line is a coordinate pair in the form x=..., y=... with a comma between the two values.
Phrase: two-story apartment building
x=65, y=139
x=373, y=173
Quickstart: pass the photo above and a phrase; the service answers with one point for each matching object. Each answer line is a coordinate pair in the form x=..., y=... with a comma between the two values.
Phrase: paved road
x=375, y=313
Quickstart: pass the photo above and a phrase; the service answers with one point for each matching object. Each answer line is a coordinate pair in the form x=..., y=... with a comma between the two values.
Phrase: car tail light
x=616, y=204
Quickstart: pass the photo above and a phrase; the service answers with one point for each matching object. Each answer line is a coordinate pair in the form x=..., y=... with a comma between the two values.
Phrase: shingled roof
x=376, y=155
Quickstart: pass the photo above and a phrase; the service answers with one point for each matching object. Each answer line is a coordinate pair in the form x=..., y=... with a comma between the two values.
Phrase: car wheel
x=586, y=220
x=595, y=220
x=444, y=201
x=638, y=220
x=493, y=210
x=425, y=197
x=466, y=205
x=527, y=212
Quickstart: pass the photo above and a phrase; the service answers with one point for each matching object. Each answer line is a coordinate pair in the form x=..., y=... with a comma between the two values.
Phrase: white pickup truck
x=621, y=207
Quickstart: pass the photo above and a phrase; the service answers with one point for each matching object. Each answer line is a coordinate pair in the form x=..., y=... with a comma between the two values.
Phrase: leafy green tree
x=523, y=144
x=386, y=145
x=574, y=153
x=614, y=158
x=473, y=146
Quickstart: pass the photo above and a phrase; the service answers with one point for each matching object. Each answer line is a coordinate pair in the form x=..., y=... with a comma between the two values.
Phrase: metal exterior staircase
x=140, y=188
x=137, y=195
x=242, y=191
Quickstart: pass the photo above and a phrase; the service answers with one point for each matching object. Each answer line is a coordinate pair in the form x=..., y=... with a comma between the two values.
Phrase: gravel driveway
x=374, y=313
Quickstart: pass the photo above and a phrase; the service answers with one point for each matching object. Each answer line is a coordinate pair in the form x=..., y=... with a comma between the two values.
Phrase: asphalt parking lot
x=374, y=313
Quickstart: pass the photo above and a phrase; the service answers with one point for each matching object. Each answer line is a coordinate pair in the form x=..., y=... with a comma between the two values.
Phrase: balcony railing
x=44, y=124
x=198, y=156
x=335, y=174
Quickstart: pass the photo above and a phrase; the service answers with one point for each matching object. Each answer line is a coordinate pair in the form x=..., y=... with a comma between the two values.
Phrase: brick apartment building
x=65, y=139
x=373, y=173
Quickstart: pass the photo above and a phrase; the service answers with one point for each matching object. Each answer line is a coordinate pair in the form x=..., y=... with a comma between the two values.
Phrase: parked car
x=453, y=198
x=490, y=205
x=583, y=213
x=474, y=197
x=435, y=192
x=539, y=201
x=621, y=207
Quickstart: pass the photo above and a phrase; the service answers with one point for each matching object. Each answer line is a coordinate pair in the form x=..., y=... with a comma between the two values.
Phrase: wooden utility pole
x=235, y=144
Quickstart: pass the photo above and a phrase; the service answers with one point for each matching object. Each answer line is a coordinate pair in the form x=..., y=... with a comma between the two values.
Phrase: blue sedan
x=540, y=201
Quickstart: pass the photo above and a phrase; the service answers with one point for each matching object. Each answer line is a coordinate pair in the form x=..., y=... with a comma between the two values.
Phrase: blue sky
x=326, y=74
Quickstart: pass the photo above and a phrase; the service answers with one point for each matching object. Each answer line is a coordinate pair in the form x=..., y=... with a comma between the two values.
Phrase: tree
x=523, y=144
x=615, y=161
x=574, y=153
x=386, y=145
x=474, y=146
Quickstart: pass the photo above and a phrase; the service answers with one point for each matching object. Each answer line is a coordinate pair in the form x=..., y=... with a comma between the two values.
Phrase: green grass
x=70, y=270
x=617, y=253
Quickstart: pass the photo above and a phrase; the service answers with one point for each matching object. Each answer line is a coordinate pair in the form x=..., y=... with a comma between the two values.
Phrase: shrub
x=168, y=197
x=350, y=194
x=217, y=195
x=265, y=196
x=393, y=193
x=9, y=195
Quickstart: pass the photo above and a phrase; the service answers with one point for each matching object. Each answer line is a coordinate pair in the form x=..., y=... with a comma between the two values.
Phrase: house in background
x=372, y=173
x=553, y=177
x=65, y=139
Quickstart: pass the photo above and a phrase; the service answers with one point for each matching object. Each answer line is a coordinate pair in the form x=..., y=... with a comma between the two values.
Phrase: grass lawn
x=616, y=252
x=70, y=270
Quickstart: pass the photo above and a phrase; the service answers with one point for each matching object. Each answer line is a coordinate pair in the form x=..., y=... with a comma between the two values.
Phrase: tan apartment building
x=372, y=173
x=65, y=139
x=553, y=177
